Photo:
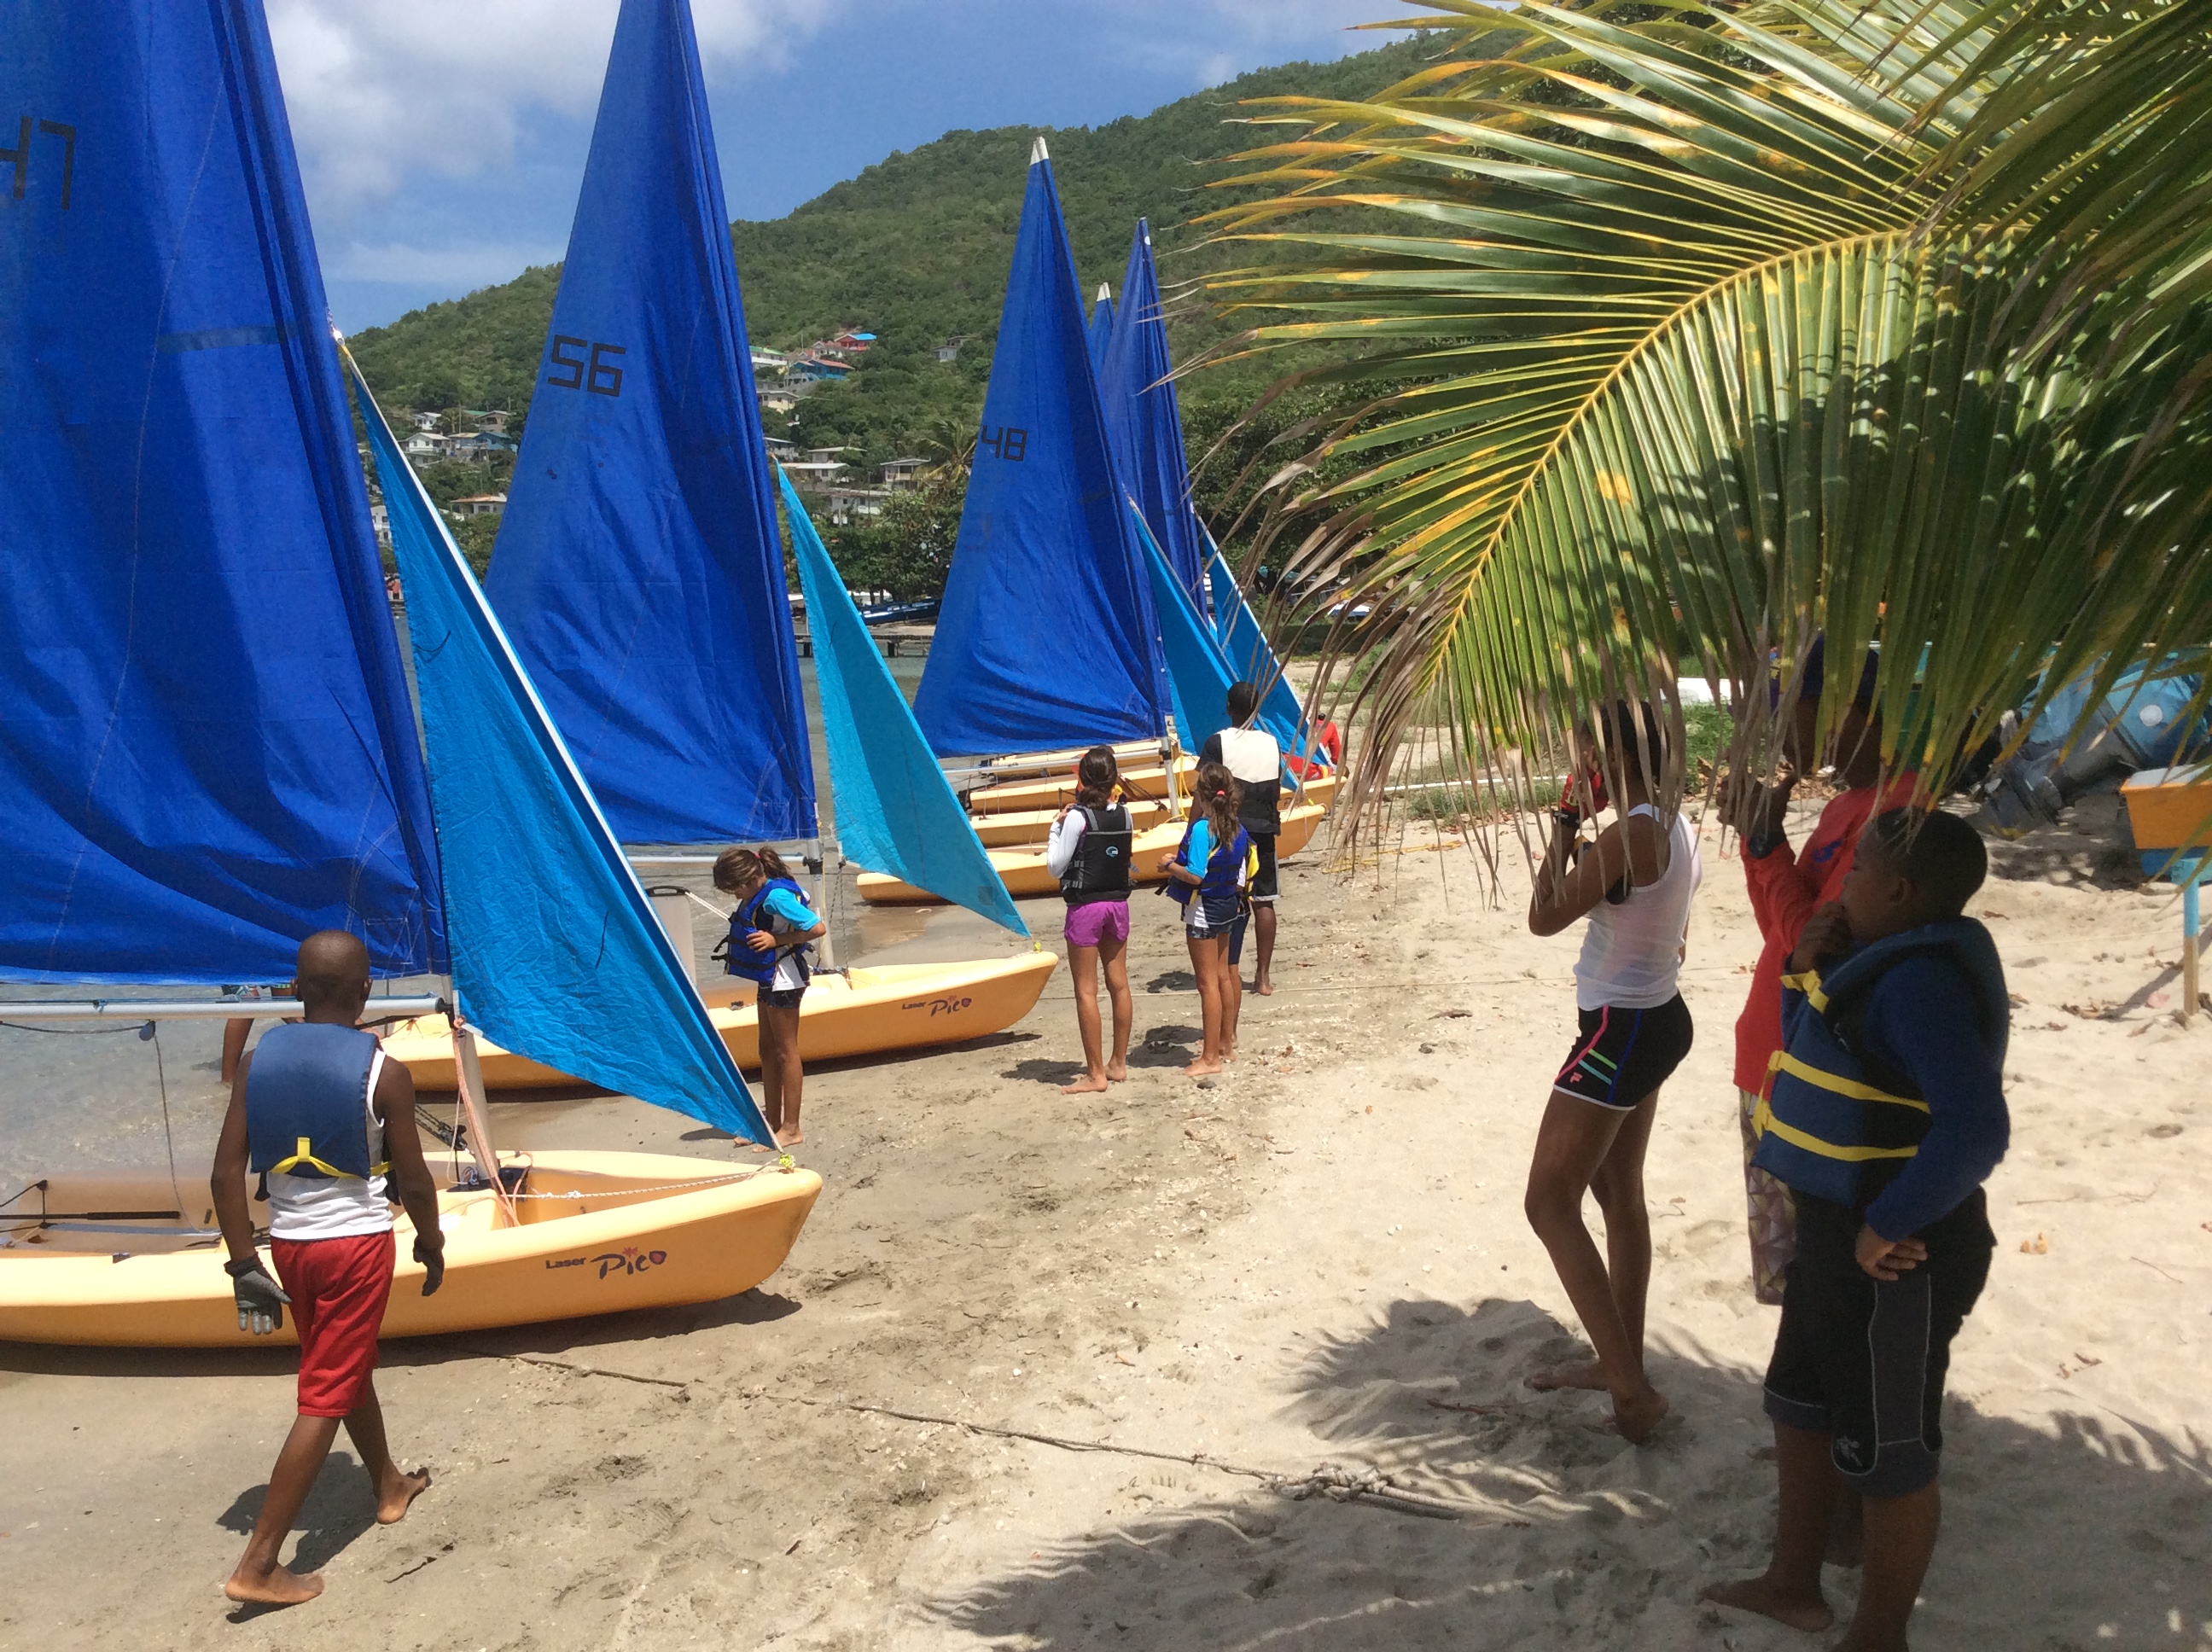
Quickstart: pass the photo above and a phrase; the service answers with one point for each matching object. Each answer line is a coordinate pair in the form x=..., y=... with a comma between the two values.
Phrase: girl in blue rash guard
x=769, y=934
x=1208, y=876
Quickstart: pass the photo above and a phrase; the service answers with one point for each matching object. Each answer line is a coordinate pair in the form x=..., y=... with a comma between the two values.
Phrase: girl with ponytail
x=1208, y=876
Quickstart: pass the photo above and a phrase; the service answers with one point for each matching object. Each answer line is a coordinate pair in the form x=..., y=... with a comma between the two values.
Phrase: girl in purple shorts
x=1089, y=853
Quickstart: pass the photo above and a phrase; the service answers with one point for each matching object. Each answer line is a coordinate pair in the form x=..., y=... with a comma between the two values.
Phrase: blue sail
x=1046, y=638
x=896, y=811
x=1102, y=328
x=1145, y=422
x=1244, y=646
x=638, y=569
x=556, y=952
x=207, y=750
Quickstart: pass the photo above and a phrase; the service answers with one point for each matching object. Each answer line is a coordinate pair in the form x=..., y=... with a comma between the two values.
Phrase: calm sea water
x=94, y=1097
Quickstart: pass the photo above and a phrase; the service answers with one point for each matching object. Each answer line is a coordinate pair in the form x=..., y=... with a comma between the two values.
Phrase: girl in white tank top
x=1633, y=885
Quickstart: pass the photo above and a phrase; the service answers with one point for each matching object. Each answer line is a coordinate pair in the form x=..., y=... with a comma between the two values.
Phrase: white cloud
x=381, y=90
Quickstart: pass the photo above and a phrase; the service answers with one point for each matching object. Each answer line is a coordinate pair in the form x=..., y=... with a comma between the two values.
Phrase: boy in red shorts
x=317, y=1110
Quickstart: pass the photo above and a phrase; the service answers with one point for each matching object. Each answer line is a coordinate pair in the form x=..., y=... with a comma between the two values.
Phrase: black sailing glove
x=260, y=1299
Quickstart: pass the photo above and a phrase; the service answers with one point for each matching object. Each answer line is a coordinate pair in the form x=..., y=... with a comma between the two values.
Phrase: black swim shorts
x=1267, y=883
x=1620, y=1056
x=1861, y=1359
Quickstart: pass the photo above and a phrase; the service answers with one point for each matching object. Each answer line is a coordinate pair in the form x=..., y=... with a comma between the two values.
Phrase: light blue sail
x=896, y=811
x=556, y=952
x=1144, y=419
x=1244, y=646
x=1198, y=671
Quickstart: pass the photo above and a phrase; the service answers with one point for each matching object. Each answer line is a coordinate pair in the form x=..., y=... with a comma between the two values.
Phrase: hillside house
x=950, y=349
x=380, y=519
x=847, y=504
x=846, y=344
x=481, y=504
x=814, y=369
x=478, y=445
x=426, y=446
x=427, y=420
x=897, y=474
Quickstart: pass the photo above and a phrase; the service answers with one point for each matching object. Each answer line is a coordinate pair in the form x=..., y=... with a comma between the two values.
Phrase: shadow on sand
x=2089, y=1533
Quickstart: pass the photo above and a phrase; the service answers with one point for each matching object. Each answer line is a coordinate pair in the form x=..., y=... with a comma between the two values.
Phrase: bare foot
x=1591, y=1375
x=1636, y=1414
x=1809, y=1612
x=790, y=1138
x=1264, y=988
x=757, y=1148
x=1201, y=1068
x=276, y=1587
x=1116, y=1071
x=393, y=1501
x=1088, y=1084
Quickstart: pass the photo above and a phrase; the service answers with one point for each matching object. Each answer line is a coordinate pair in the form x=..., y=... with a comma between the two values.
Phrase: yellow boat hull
x=1047, y=794
x=600, y=1233
x=864, y=1012
x=1031, y=828
x=1024, y=871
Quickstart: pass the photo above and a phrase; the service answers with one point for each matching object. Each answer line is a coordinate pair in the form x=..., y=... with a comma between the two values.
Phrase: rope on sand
x=1329, y=1480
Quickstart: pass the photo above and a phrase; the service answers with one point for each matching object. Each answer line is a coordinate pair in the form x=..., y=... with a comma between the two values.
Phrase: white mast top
x=1037, y=151
x=1105, y=291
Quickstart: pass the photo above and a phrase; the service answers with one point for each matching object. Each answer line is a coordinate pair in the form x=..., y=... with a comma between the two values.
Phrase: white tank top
x=1632, y=953
x=334, y=1207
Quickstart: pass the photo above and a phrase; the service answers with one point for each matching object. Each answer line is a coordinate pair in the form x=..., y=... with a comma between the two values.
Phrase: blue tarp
x=1145, y=422
x=1102, y=329
x=206, y=747
x=896, y=811
x=638, y=569
x=1046, y=638
x=1244, y=646
x=556, y=952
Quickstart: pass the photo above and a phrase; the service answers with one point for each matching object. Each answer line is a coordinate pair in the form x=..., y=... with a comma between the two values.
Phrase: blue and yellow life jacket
x=1835, y=1122
x=1225, y=866
x=759, y=967
x=306, y=1100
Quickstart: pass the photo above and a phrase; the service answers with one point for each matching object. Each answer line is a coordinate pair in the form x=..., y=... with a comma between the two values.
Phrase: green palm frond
x=1665, y=366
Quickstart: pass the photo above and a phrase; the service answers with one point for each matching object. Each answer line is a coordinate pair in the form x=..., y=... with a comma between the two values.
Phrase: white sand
x=1283, y=1270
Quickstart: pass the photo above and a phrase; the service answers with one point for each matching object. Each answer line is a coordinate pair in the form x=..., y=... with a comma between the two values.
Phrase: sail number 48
x=592, y=372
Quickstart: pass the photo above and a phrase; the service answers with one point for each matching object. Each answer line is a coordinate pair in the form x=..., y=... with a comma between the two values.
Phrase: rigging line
x=1330, y=1480
x=152, y=1031
x=68, y=1032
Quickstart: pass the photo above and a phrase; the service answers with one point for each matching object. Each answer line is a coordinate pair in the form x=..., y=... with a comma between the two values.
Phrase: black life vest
x=1100, y=871
x=306, y=1100
x=1835, y=1122
x=740, y=960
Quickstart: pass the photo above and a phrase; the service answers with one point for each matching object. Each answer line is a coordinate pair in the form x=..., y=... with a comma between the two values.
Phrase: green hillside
x=916, y=250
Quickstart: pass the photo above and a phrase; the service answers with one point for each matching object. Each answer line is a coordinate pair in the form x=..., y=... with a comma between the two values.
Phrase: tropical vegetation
x=1685, y=331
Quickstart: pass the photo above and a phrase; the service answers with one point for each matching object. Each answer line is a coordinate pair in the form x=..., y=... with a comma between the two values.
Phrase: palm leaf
x=1667, y=364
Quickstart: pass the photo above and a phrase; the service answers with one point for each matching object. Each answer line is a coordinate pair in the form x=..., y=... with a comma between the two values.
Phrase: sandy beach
x=1319, y=1259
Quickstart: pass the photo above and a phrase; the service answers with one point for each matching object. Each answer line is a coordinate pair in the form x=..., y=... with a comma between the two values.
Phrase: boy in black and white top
x=1255, y=757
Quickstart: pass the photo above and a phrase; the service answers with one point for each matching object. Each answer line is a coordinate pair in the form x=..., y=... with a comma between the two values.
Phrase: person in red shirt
x=1787, y=886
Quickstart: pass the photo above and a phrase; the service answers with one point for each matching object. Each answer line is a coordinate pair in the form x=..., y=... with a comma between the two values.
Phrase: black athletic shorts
x=1265, y=882
x=1863, y=1360
x=1620, y=1056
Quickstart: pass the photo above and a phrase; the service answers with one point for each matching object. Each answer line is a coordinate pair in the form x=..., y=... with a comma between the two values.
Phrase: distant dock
x=894, y=641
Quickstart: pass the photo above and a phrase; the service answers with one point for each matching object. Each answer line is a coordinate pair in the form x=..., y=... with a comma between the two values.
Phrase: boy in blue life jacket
x=1884, y=1114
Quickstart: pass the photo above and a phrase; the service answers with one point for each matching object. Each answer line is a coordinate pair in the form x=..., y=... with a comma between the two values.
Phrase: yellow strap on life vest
x=1809, y=984
x=303, y=1153
x=1785, y=1062
x=1797, y=1137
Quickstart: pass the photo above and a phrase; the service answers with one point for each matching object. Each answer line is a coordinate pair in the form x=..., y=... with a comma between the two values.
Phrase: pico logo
x=626, y=1260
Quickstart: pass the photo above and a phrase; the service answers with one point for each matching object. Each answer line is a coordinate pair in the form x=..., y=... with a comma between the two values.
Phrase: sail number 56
x=591, y=371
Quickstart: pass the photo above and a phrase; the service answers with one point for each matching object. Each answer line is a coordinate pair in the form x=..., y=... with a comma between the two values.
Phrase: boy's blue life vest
x=1224, y=867
x=1100, y=870
x=1835, y=1122
x=759, y=967
x=306, y=1100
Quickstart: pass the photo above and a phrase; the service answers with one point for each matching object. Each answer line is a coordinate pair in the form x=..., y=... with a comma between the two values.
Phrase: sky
x=442, y=140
